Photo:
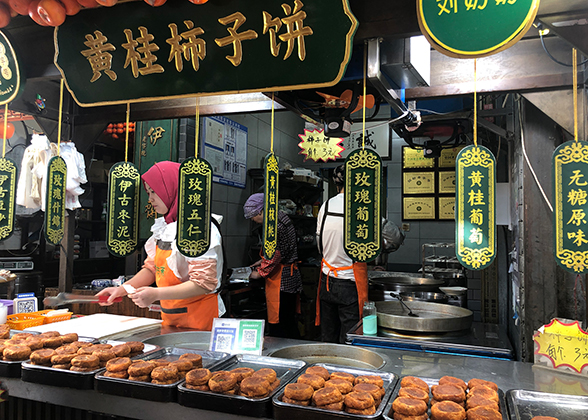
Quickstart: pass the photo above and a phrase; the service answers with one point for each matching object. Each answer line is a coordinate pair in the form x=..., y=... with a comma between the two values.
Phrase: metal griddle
x=432, y=317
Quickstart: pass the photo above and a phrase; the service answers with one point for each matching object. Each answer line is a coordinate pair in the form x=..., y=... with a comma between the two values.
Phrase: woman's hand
x=256, y=264
x=254, y=275
x=112, y=293
x=145, y=296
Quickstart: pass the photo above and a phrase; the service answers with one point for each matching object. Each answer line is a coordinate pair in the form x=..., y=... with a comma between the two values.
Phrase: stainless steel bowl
x=425, y=297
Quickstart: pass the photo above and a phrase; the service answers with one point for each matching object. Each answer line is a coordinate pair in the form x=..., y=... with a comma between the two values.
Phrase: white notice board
x=225, y=148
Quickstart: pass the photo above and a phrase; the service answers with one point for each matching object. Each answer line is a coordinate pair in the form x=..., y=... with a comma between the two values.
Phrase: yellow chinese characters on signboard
x=316, y=146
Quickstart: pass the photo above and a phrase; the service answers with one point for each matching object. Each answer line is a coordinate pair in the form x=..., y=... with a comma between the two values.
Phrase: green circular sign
x=11, y=72
x=475, y=28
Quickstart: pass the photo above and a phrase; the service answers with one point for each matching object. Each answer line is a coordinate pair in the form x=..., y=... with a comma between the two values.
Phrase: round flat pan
x=198, y=340
x=338, y=354
x=432, y=317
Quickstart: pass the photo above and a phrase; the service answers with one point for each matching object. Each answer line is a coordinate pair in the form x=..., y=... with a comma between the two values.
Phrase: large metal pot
x=425, y=297
x=381, y=283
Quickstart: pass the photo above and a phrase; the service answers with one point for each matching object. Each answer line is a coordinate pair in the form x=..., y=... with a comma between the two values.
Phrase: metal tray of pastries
x=524, y=405
x=10, y=364
x=69, y=367
x=250, y=382
x=335, y=392
x=486, y=404
x=156, y=375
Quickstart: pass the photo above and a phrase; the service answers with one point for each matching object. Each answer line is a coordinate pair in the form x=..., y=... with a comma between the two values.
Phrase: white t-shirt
x=332, y=240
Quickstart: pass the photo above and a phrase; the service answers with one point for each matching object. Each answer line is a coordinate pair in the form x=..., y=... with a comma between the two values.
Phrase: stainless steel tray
x=285, y=411
x=286, y=369
x=432, y=317
x=524, y=405
x=147, y=390
x=337, y=354
x=68, y=378
x=389, y=414
x=12, y=369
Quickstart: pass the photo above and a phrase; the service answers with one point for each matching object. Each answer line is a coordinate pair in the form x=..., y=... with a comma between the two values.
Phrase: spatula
x=67, y=298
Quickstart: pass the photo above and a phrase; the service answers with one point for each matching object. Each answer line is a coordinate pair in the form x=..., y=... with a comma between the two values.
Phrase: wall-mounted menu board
x=224, y=144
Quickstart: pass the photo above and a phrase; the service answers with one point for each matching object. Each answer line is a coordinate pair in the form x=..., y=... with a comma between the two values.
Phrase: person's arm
x=145, y=296
x=144, y=277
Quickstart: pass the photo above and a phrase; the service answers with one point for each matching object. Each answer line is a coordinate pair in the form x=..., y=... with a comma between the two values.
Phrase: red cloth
x=163, y=178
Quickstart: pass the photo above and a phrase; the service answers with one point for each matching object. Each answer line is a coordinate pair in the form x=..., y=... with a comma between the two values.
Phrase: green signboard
x=475, y=28
x=7, y=197
x=363, y=220
x=475, y=207
x=270, y=206
x=133, y=52
x=55, y=206
x=12, y=76
x=194, y=200
x=122, y=222
x=570, y=185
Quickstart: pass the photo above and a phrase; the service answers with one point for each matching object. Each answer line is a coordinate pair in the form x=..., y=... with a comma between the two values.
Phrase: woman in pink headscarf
x=186, y=287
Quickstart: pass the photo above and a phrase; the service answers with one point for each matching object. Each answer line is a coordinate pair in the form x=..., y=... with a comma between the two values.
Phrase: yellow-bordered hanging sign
x=12, y=78
x=570, y=185
x=194, y=204
x=363, y=219
x=475, y=207
x=7, y=197
x=270, y=206
x=122, y=222
x=475, y=28
x=55, y=206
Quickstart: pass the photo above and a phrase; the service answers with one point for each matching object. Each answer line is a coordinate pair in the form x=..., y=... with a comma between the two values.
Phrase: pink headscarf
x=163, y=178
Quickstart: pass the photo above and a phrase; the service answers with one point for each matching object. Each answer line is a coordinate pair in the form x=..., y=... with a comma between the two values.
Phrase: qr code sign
x=249, y=338
x=26, y=305
x=224, y=342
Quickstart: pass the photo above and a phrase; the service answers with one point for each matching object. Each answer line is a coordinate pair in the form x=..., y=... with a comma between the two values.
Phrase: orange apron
x=273, y=286
x=196, y=312
x=361, y=284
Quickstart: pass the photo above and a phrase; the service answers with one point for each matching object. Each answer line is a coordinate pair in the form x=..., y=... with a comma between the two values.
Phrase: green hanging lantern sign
x=475, y=207
x=122, y=222
x=363, y=219
x=194, y=202
x=570, y=185
x=270, y=206
x=12, y=74
x=7, y=197
x=55, y=206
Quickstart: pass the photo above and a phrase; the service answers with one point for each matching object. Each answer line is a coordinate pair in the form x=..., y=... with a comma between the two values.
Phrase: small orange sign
x=316, y=146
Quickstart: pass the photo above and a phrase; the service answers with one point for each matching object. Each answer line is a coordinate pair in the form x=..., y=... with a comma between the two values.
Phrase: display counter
x=506, y=374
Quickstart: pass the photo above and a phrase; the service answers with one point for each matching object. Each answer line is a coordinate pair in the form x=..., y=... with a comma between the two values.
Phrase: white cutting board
x=100, y=326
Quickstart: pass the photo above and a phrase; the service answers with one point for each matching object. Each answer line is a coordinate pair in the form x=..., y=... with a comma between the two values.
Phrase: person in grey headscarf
x=283, y=282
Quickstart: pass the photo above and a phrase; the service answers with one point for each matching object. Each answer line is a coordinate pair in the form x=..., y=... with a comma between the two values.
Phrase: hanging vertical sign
x=194, y=201
x=570, y=183
x=7, y=197
x=122, y=221
x=475, y=207
x=12, y=76
x=55, y=206
x=270, y=206
x=363, y=219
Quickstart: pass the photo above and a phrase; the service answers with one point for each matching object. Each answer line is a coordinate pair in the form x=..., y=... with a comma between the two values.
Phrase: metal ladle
x=397, y=296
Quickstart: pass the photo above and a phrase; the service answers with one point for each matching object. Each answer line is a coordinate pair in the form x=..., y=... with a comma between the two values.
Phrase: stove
x=481, y=340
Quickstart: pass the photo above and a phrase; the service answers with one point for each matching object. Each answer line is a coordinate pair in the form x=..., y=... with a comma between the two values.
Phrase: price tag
x=565, y=345
x=237, y=336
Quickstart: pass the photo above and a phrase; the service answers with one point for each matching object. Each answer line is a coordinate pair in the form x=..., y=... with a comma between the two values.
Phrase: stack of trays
x=286, y=411
x=67, y=378
x=286, y=370
x=150, y=391
x=389, y=412
x=524, y=405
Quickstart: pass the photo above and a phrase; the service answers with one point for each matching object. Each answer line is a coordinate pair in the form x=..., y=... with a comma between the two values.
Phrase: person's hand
x=254, y=275
x=144, y=296
x=112, y=293
x=256, y=264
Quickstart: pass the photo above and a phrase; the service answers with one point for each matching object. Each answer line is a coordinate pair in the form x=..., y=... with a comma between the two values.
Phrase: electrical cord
x=555, y=59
